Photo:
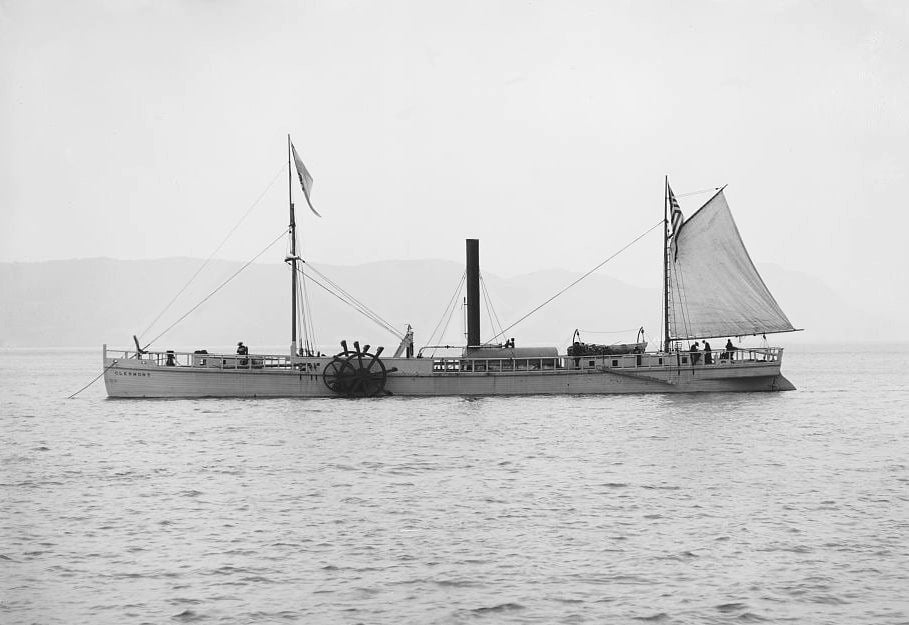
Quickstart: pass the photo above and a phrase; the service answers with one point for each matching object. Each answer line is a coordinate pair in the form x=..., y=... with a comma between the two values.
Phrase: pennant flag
x=305, y=178
x=676, y=216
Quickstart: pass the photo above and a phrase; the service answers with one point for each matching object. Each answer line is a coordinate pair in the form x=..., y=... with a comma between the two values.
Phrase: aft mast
x=666, y=266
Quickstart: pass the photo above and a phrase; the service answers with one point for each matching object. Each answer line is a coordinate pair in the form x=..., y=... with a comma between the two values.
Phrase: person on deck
x=729, y=349
x=695, y=356
x=708, y=356
x=242, y=350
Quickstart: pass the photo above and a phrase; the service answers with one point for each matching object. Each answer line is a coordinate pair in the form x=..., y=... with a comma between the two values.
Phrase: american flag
x=676, y=216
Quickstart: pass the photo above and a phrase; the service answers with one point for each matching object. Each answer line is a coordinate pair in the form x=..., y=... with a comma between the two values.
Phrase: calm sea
x=710, y=508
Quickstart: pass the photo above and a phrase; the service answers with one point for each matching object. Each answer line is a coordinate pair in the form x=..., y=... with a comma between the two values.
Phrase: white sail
x=716, y=290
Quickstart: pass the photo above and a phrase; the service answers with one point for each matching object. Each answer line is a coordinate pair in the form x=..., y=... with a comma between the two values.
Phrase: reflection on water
x=692, y=509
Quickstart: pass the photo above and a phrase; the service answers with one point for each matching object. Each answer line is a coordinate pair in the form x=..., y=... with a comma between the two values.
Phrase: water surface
x=712, y=508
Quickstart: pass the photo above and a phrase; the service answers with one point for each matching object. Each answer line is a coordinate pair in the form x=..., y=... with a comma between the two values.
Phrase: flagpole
x=666, y=266
x=293, y=255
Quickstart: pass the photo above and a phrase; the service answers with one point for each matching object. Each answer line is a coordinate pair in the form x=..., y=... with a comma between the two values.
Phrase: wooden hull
x=416, y=378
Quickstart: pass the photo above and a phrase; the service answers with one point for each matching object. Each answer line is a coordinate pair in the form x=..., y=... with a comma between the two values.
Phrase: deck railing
x=647, y=360
x=172, y=358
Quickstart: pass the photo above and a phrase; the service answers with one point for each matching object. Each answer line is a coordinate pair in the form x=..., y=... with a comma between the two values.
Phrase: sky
x=147, y=129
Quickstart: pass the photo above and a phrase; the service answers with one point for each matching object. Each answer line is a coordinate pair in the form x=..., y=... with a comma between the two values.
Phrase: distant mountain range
x=86, y=302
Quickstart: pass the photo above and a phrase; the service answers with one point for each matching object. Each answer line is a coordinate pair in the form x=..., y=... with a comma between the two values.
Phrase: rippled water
x=678, y=509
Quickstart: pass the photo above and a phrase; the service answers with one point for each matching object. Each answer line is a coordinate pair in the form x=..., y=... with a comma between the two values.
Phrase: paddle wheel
x=356, y=372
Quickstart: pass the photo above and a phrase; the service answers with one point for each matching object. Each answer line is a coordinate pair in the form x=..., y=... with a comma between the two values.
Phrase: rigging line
x=662, y=317
x=445, y=328
x=683, y=300
x=217, y=249
x=218, y=288
x=489, y=314
x=359, y=306
x=374, y=318
x=676, y=295
x=305, y=323
x=679, y=292
x=308, y=318
x=301, y=321
x=377, y=321
x=338, y=287
x=488, y=307
x=664, y=296
x=453, y=298
x=97, y=377
x=363, y=308
x=353, y=303
x=710, y=190
x=639, y=237
x=453, y=304
x=489, y=303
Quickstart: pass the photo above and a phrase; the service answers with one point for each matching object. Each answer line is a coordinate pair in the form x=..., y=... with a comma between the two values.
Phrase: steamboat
x=711, y=289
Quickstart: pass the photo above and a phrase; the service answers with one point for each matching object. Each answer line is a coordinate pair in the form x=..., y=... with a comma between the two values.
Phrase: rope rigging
x=445, y=328
x=683, y=300
x=309, y=327
x=638, y=238
x=335, y=290
x=218, y=288
x=305, y=326
x=96, y=378
x=215, y=251
x=699, y=192
x=490, y=311
x=445, y=313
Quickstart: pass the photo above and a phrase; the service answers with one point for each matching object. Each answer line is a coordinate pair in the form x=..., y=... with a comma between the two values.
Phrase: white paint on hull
x=415, y=377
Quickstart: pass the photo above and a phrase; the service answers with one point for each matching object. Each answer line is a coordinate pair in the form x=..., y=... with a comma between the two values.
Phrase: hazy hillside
x=91, y=301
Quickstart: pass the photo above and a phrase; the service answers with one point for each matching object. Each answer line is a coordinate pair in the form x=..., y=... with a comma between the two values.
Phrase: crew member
x=695, y=356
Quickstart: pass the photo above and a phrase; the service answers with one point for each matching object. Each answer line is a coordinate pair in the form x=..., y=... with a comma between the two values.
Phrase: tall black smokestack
x=473, y=292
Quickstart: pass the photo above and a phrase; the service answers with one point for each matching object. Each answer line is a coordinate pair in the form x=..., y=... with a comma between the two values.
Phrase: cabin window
x=661, y=361
x=591, y=363
x=684, y=360
x=615, y=363
x=638, y=359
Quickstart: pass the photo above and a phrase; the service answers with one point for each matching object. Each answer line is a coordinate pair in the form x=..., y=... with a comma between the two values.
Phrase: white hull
x=416, y=377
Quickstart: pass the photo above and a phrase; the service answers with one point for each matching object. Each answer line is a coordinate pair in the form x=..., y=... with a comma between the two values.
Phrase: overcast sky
x=146, y=129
